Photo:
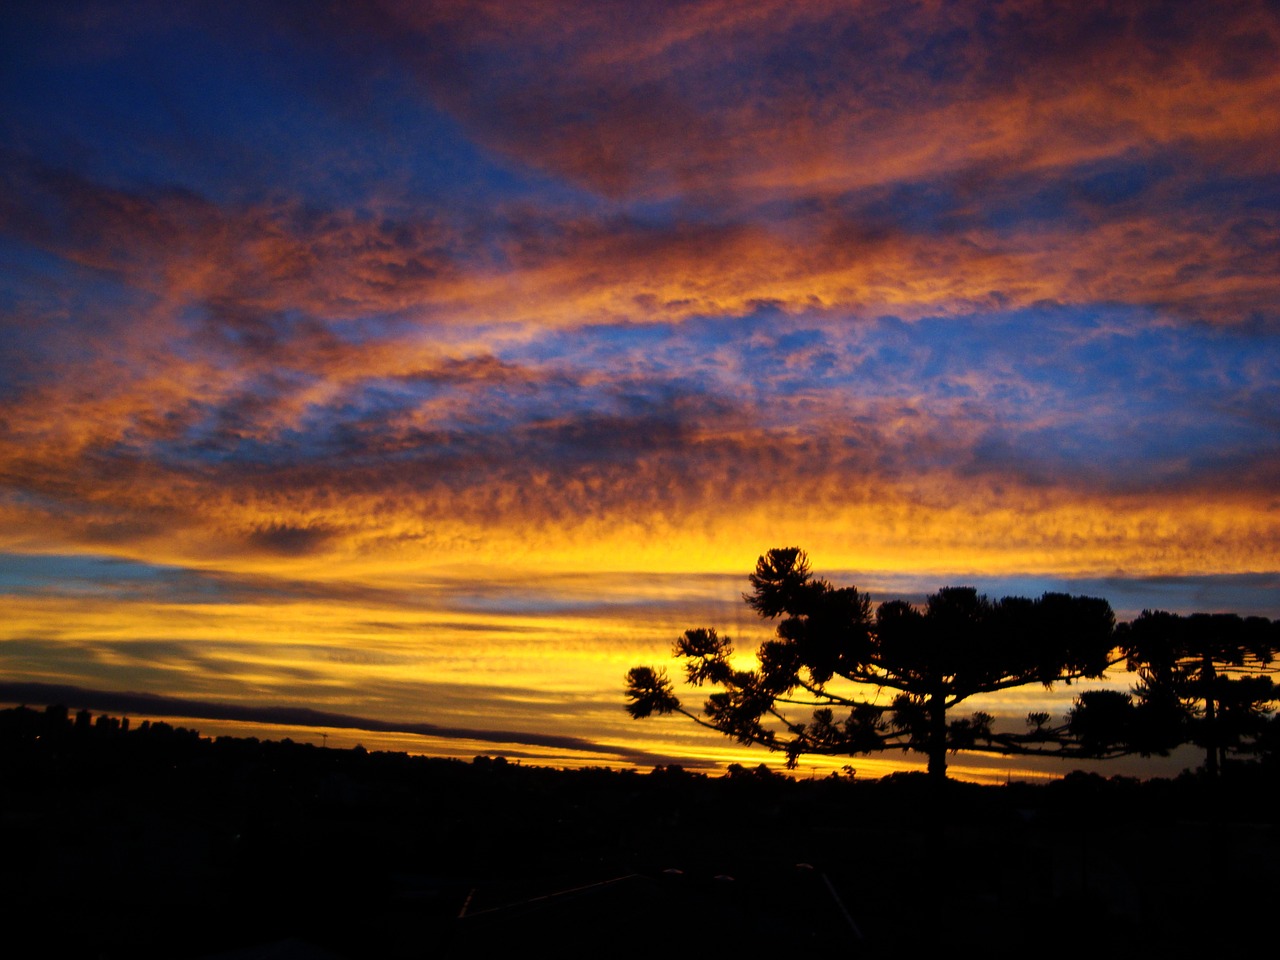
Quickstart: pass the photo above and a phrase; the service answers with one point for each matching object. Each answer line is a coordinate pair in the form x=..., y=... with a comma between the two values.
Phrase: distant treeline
x=55, y=741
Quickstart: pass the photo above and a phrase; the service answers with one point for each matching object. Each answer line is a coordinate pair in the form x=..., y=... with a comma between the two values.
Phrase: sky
x=431, y=364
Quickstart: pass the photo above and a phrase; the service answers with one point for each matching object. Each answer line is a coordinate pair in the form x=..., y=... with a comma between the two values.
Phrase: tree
x=1210, y=675
x=836, y=657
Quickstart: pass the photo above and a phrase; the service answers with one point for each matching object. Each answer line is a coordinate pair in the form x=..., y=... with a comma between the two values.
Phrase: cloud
x=667, y=427
x=706, y=96
x=370, y=322
x=289, y=539
x=869, y=159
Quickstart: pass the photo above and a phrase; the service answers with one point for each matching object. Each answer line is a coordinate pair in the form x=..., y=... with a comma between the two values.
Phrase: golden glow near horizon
x=447, y=394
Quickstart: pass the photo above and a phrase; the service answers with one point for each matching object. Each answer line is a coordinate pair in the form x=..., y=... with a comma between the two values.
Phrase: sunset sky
x=434, y=363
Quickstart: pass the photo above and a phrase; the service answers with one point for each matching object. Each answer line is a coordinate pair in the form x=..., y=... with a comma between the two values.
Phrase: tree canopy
x=883, y=678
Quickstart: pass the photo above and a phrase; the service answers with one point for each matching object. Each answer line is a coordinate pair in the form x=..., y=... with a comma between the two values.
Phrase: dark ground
x=157, y=843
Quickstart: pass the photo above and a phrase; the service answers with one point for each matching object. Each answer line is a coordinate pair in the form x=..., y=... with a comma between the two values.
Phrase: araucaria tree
x=883, y=679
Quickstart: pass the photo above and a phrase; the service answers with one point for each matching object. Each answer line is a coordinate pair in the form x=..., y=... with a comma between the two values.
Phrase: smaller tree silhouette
x=1207, y=676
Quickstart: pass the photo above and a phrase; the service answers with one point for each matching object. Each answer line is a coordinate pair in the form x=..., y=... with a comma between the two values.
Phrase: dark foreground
x=157, y=843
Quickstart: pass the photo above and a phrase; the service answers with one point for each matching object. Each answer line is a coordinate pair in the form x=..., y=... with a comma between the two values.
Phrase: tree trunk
x=1208, y=677
x=937, y=737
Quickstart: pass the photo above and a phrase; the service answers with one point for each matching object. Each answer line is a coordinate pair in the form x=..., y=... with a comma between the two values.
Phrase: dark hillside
x=151, y=841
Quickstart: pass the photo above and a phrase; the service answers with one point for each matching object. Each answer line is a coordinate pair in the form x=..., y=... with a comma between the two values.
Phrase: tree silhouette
x=1208, y=674
x=834, y=656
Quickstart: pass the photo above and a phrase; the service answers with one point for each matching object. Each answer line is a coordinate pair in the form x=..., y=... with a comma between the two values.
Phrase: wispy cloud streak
x=160, y=706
